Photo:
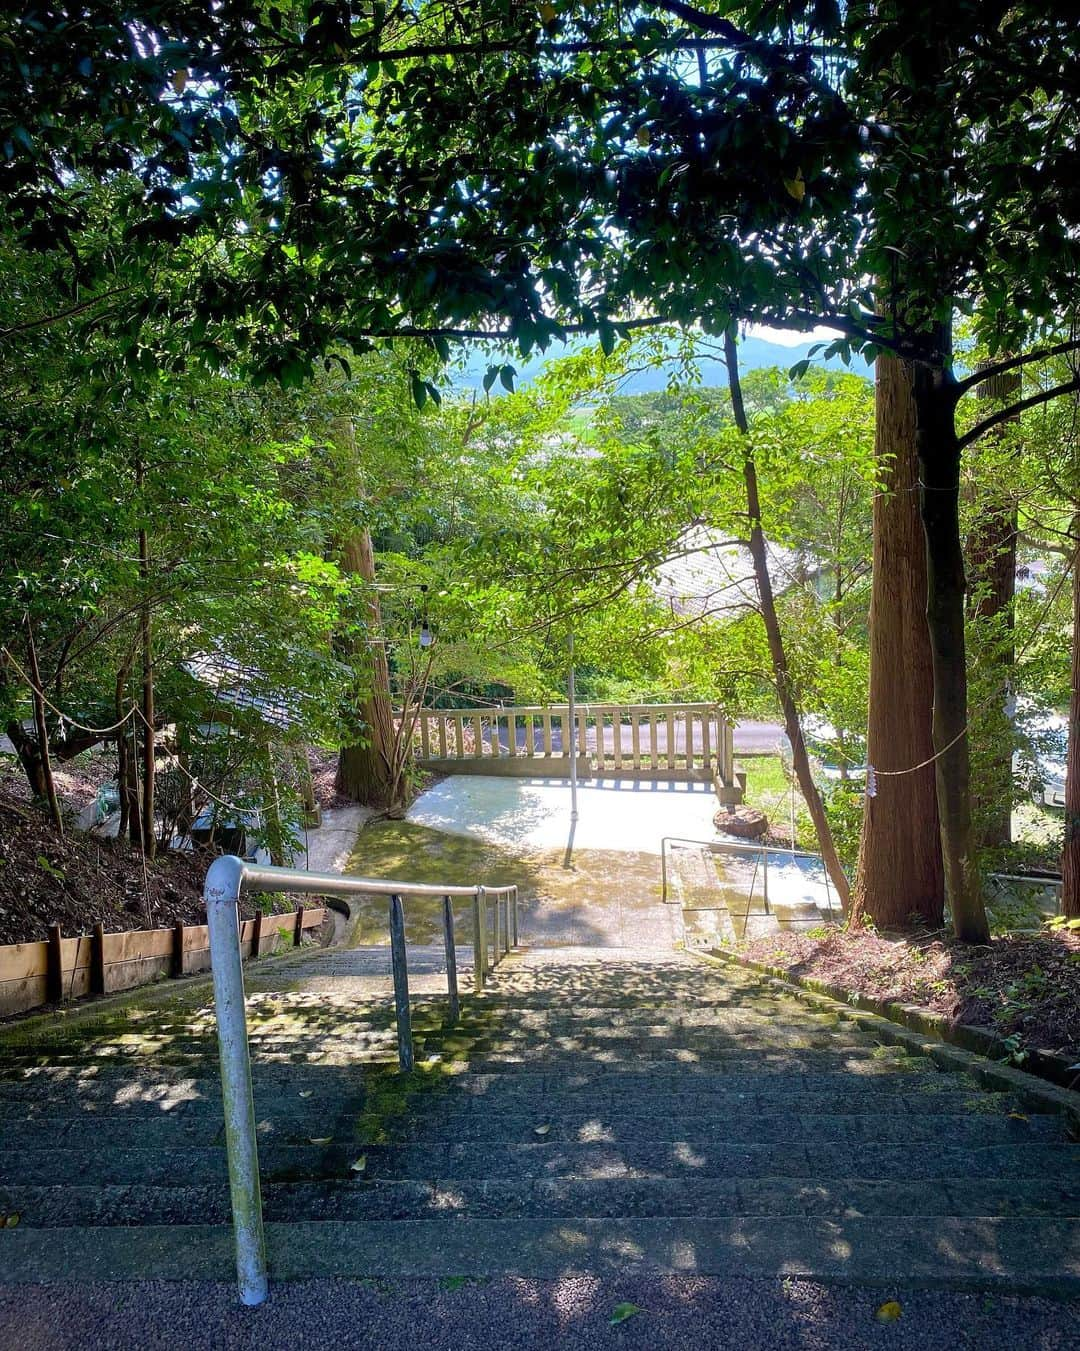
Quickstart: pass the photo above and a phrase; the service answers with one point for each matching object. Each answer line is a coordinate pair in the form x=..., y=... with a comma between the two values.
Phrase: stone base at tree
x=745, y=822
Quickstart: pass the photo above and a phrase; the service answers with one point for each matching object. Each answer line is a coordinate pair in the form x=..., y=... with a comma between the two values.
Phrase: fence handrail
x=226, y=879
x=739, y=847
x=265, y=878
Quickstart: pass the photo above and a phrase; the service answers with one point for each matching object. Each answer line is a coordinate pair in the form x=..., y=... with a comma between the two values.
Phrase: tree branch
x=1014, y=409
x=1011, y=363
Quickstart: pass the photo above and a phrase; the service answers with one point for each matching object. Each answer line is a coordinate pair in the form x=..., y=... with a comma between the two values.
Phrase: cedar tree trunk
x=900, y=880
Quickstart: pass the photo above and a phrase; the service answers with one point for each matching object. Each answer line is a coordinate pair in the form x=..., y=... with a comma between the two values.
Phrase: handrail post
x=451, y=956
x=496, y=939
x=479, y=925
x=765, y=884
x=663, y=870
x=221, y=892
x=514, y=913
x=506, y=924
x=401, y=983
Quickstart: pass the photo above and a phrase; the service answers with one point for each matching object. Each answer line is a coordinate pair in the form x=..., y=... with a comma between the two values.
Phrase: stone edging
x=925, y=1033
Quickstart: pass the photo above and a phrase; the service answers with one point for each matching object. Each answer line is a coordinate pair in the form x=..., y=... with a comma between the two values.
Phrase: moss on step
x=393, y=1097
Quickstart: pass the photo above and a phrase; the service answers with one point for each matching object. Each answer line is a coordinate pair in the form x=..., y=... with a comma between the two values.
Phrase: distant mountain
x=755, y=351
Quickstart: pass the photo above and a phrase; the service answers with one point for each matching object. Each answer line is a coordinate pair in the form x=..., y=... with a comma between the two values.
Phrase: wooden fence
x=102, y=963
x=648, y=741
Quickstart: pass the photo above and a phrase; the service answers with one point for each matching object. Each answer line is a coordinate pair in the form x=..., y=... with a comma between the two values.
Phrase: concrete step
x=555, y=1126
x=137, y=1204
x=553, y=1123
x=1036, y=1255
x=486, y=1056
x=466, y=1038
x=555, y=1104
x=170, y=1086
x=169, y=1166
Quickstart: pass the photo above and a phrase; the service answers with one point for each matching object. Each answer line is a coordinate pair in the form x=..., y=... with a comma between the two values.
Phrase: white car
x=1046, y=764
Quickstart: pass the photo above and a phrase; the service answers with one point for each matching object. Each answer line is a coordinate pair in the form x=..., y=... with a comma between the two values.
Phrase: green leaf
x=622, y=1312
x=506, y=377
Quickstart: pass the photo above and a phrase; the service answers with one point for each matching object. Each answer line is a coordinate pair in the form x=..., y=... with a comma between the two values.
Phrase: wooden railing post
x=177, y=967
x=298, y=927
x=54, y=974
x=97, y=960
x=256, y=934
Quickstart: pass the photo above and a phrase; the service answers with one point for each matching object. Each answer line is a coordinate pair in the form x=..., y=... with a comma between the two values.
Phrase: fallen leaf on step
x=888, y=1312
x=1018, y=1116
x=306, y=1092
x=622, y=1312
x=320, y=1140
x=358, y=1165
x=541, y=1130
x=453, y=1283
x=10, y=1221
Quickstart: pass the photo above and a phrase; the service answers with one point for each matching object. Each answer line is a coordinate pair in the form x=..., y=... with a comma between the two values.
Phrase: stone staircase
x=592, y=1111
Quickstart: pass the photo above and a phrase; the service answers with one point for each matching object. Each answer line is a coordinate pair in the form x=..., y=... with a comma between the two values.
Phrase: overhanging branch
x=1011, y=363
x=1015, y=409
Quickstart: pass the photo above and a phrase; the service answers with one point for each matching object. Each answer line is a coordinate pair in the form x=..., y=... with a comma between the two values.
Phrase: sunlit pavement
x=620, y=815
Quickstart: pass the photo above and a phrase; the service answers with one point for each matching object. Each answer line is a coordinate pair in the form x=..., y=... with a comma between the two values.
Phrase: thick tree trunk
x=1070, y=855
x=900, y=880
x=781, y=671
x=366, y=770
x=939, y=458
x=992, y=568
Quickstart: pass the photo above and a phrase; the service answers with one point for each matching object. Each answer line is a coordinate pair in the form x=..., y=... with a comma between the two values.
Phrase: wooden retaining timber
x=103, y=963
x=683, y=742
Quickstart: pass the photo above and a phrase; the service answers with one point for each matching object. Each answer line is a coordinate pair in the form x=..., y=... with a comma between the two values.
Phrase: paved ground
x=678, y=1313
x=330, y=846
x=529, y=815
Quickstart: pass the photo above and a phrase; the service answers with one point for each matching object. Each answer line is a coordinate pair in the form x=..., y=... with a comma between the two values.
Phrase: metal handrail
x=733, y=847
x=226, y=879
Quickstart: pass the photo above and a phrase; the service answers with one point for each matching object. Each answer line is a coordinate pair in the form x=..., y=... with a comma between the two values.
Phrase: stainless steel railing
x=760, y=853
x=226, y=879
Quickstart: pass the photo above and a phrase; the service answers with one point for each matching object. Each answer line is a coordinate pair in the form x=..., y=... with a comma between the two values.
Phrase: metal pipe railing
x=226, y=879
x=731, y=847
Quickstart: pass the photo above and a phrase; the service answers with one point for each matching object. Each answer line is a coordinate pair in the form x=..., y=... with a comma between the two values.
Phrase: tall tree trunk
x=991, y=555
x=366, y=769
x=939, y=458
x=900, y=880
x=41, y=725
x=781, y=671
x=149, y=837
x=1070, y=855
